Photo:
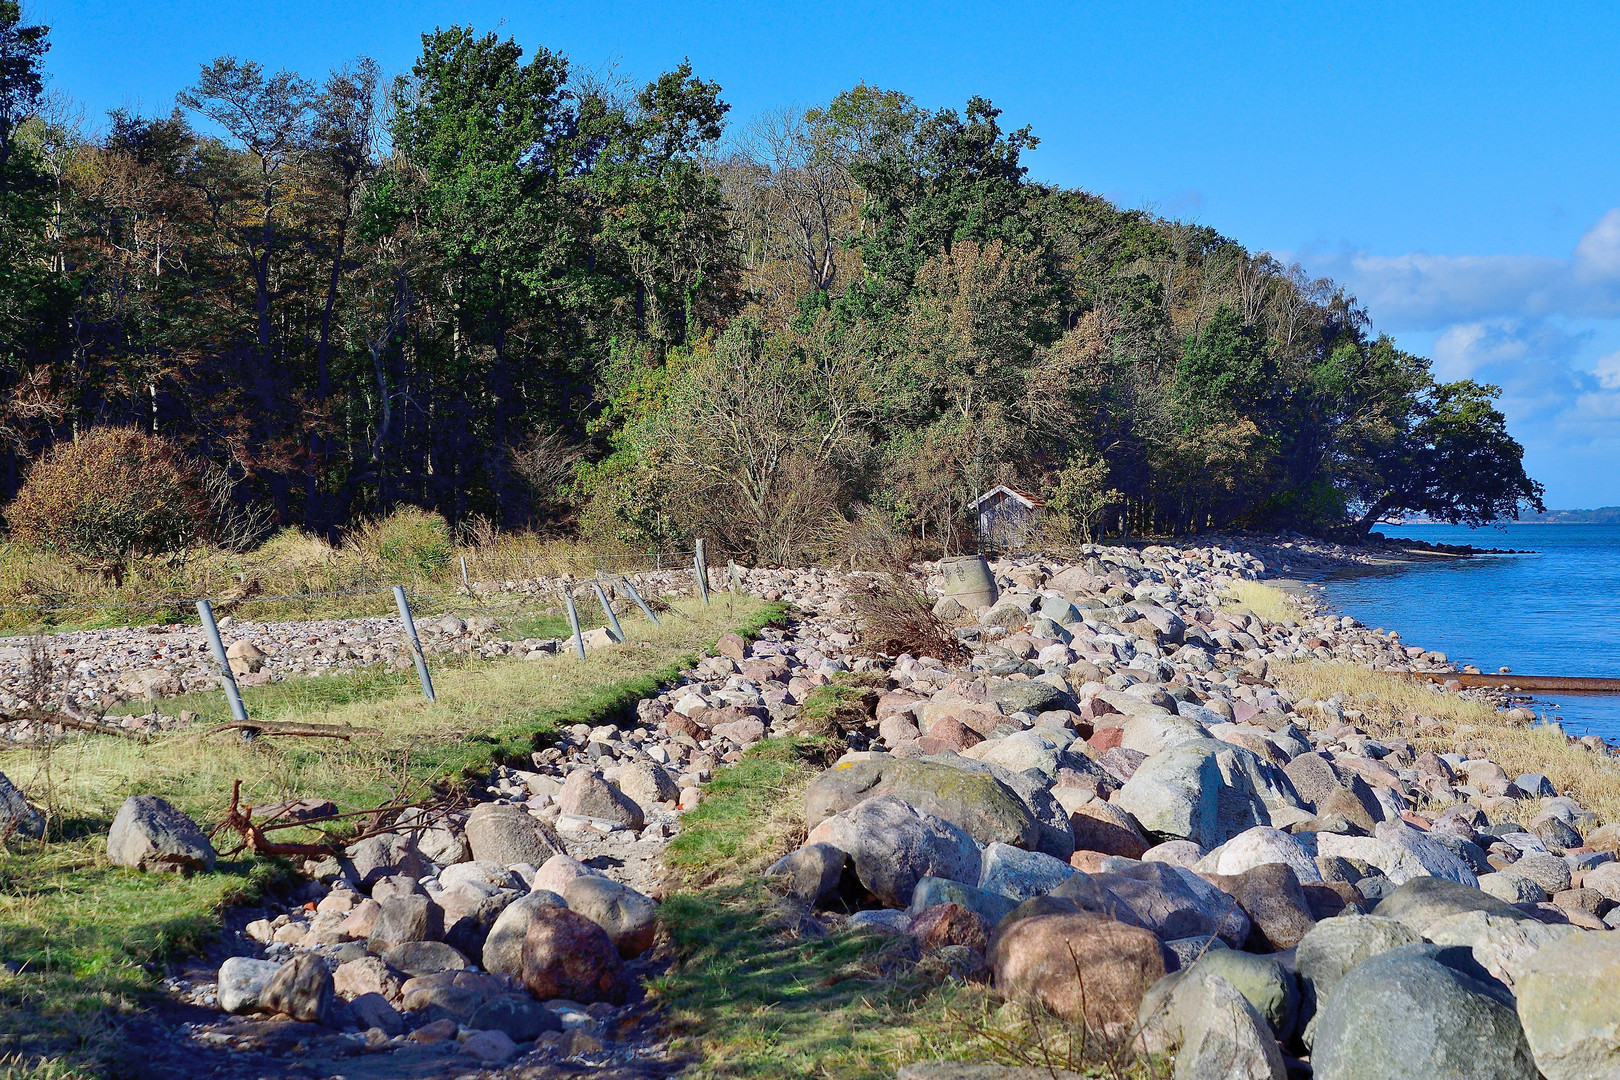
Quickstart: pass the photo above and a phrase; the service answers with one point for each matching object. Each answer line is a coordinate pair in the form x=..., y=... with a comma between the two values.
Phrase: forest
x=516, y=294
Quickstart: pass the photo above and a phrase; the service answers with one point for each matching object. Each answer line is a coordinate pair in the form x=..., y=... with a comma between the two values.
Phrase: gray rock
x=503, y=948
x=242, y=981
x=1150, y=733
x=1500, y=946
x=1548, y=871
x=405, y=918
x=375, y=1011
x=1032, y=696
x=1334, y=946
x=507, y=834
x=1567, y=1005
x=1424, y=900
x=302, y=989
x=629, y=917
x=520, y=1017
x=1258, y=846
x=933, y=891
x=149, y=834
x=892, y=846
x=1513, y=888
x=392, y=854
x=973, y=801
x=17, y=818
x=1020, y=874
x=1195, y=791
x=647, y=783
x=1264, y=981
x=1409, y=1014
x=1223, y=1036
x=1535, y=786
x=424, y=957
x=1171, y=901
x=811, y=872
x=1187, y=950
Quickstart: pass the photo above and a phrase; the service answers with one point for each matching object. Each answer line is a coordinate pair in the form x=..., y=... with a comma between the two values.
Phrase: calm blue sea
x=1556, y=612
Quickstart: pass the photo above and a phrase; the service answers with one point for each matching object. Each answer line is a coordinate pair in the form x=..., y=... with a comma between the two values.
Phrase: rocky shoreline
x=1105, y=806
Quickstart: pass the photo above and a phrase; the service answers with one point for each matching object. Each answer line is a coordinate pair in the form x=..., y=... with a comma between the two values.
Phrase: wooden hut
x=1007, y=517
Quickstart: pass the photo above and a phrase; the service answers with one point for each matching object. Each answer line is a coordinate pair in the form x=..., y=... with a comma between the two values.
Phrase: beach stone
x=973, y=801
x=1151, y=732
x=1196, y=791
x=149, y=834
x=1513, y=888
x=507, y=834
x=1278, y=910
x=424, y=958
x=1170, y=901
x=892, y=846
x=405, y=918
x=389, y=854
x=1032, y=696
x=302, y=989
x=812, y=872
x=1425, y=900
x=1548, y=871
x=1605, y=879
x=1264, y=981
x=1500, y=946
x=375, y=1011
x=1333, y=946
x=1183, y=853
x=933, y=891
x=519, y=1017
x=365, y=975
x=566, y=955
x=1040, y=960
x=1399, y=857
x=1407, y=1014
x=588, y=795
x=629, y=917
x=503, y=948
x=1186, y=951
x=478, y=872
x=17, y=818
x=1259, y=846
x=1222, y=1035
x=1024, y=751
x=1102, y=826
x=1567, y=1005
x=950, y=924
x=491, y=1047
x=1020, y=874
x=242, y=981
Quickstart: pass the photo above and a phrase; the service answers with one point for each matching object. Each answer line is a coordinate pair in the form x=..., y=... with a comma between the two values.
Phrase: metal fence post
x=465, y=584
x=415, y=644
x=701, y=568
x=573, y=621
x=217, y=647
x=631, y=589
x=613, y=620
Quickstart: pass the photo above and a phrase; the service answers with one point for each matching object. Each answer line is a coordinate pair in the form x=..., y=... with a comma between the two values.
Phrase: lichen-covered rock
x=973, y=801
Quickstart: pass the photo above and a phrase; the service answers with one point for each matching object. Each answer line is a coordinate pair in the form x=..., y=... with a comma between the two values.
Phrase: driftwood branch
x=69, y=717
x=277, y=727
x=239, y=819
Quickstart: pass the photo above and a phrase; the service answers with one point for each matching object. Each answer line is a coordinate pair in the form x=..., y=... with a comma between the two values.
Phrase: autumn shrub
x=410, y=540
x=895, y=617
x=112, y=495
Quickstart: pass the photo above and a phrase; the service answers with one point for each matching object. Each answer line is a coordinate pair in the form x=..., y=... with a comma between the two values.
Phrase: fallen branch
x=240, y=820
x=69, y=717
x=253, y=837
x=277, y=727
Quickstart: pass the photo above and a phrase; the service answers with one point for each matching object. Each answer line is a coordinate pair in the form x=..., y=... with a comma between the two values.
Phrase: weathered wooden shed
x=1007, y=517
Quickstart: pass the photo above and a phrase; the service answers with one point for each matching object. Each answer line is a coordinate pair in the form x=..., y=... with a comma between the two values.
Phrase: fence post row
x=415, y=644
x=700, y=566
x=613, y=620
x=217, y=647
x=573, y=621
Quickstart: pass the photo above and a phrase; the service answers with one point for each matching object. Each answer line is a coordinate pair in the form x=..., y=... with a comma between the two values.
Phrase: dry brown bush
x=110, y=496
x=896, y=618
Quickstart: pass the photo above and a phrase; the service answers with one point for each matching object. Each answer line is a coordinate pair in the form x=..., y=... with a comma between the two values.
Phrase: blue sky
x=1456, y=164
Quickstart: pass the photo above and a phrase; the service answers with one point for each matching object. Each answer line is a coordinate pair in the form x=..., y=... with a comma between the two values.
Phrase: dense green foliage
x=498, y=288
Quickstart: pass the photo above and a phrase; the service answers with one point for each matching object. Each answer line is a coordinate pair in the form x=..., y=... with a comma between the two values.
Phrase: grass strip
x=82, y=940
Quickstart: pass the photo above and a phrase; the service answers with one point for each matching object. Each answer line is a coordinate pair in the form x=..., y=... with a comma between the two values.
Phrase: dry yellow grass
x=1257, y=598
x=1388, y=700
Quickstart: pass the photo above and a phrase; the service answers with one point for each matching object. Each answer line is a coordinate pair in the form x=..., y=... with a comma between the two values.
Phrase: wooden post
x=217, y=647
x=573, y=621
x=613, y=620
x=415, y=644
x=700, y=566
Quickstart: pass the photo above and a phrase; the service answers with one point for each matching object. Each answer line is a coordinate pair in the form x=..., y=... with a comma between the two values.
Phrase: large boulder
x=1401, y=852
x=405, y=918
x=810, y=873
x=566, y=955
x=950, y=924
x=1171, y=901
x=17, y=818
x=301, y=989
x=1220, y=1033
x=1334, y=946
x=973, y=801
x=1259, y=846
x=1023, y=751
x=1102, y=826
x=1569, y=1009
x=390, y=854
x=1264, y=981
x=1501, y=946
x=588, y=795
x=1153, y=730
x=1205, y=791
x=629, y=917
x=893, y=845
x=503, y=948
x=1020, y=874
x=241, y=983
x=1419, y=1013
x=507, y=834
x=1085, y=967
x=149, y=834
x=647, y=784
x=1422, y=901
x=1278, y=909
x=933, y=891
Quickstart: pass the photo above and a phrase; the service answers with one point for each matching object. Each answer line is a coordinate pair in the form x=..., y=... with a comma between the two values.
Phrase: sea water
x=1554, y=612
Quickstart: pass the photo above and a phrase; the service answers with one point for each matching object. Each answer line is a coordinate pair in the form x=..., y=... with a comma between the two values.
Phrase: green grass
x=753, y=995
x=85, y=932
